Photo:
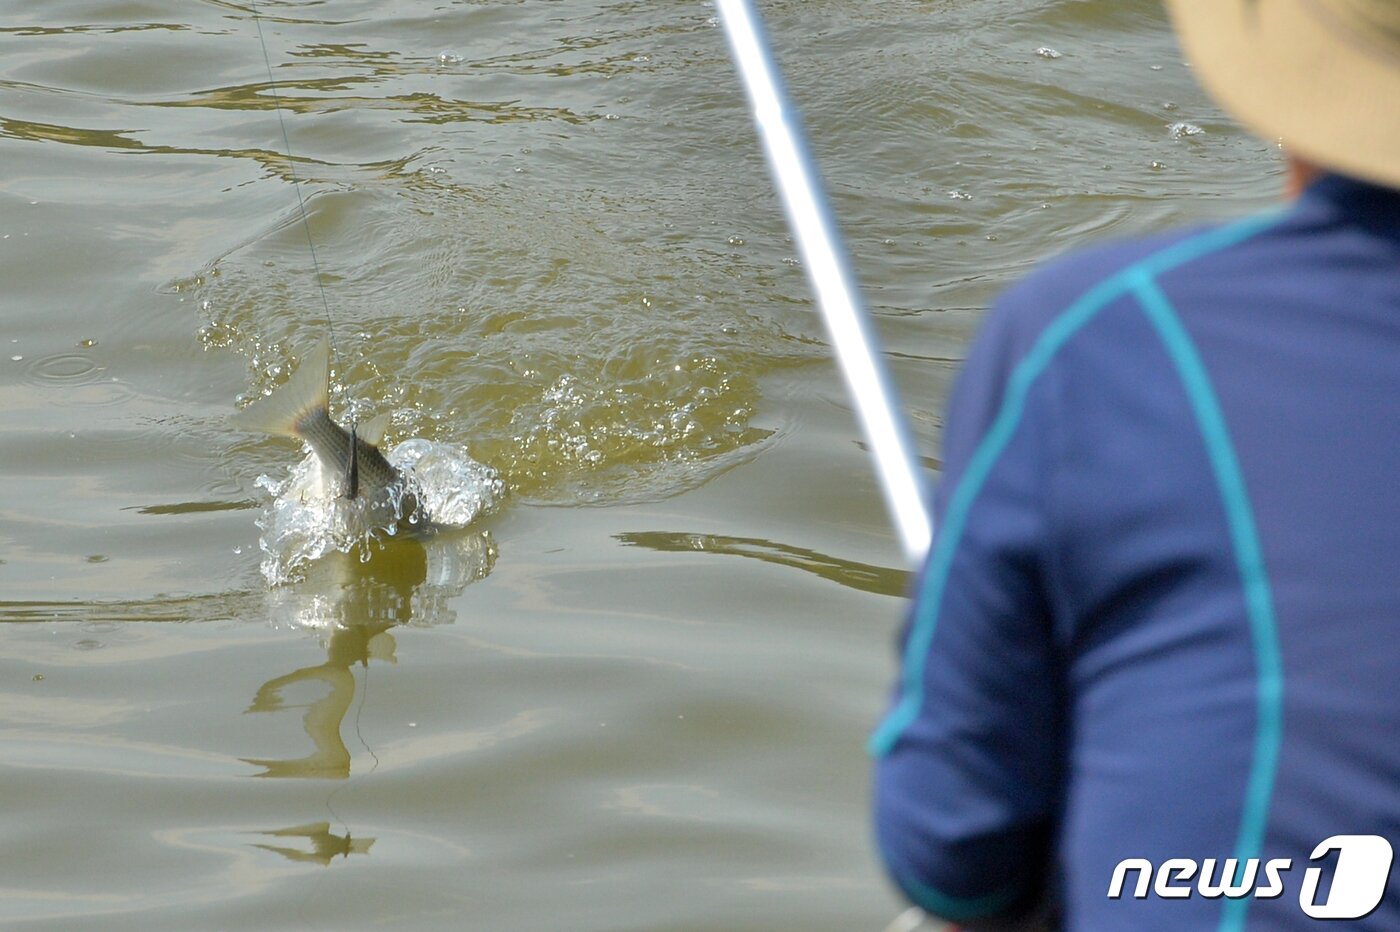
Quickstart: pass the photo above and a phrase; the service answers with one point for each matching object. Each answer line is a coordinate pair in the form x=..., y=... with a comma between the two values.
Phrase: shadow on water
x=866, y=577
x=404, y=582
x=325, y=845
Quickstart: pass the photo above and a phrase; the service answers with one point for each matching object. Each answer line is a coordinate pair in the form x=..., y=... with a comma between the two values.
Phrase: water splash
x=305, y=520
x=409, y=582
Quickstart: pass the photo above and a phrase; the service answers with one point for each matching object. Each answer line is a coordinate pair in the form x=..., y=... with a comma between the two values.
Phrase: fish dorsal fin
x=305, y=392
x=372, y=431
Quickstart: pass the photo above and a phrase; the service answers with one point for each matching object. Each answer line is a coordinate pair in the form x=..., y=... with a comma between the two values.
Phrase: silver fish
x=349, y=458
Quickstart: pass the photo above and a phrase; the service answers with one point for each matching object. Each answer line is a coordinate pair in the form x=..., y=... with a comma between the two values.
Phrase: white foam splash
x=305, y=520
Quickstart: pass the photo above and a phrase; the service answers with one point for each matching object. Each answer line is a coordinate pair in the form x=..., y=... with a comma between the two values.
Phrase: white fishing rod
x=824, y=257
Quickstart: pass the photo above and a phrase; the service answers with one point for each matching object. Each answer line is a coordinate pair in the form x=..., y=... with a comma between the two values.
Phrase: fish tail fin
x=307, y=391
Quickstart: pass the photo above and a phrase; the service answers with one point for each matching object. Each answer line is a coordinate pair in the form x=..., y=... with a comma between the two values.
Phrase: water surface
x=635, y=696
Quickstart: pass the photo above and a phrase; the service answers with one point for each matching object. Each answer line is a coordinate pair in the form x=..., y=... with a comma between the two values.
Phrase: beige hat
x=1321, y=75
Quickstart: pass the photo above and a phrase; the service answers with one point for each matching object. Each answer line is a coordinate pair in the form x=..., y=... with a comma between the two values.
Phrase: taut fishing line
x=296, y=182
x=330, y=332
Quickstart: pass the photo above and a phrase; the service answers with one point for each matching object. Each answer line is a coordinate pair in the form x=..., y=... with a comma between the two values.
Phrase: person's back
x=1156, y=621
x=1236, y=583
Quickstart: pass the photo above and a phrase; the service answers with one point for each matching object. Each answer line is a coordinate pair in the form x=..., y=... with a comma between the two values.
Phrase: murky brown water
x=545, y=230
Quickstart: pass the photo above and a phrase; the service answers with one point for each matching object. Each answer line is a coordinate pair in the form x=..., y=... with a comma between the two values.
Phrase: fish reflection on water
x=325, y=844
x=405, y=582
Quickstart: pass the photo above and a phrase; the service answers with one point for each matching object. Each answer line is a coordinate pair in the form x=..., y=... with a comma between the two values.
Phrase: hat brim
x=1296, y=72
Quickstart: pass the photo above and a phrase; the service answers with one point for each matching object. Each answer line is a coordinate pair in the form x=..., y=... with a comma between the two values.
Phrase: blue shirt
x=1161, y=614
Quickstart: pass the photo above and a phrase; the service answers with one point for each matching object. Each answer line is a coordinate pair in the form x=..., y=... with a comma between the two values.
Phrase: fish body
x=350, y=460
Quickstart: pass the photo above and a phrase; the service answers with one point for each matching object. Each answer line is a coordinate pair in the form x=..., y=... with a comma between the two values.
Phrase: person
x=1149, y=677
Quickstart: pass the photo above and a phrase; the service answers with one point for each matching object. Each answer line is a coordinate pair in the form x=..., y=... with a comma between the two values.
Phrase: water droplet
x=1169, y=105
x=38, y=677
x=16, y=358
x=1158, y=166
x=87, y=343
x=97, y=558
x=1155, y=67
x=736, y=241
x=449, y=58
x=1182, y=130
x=959, y=195
x=1047, y=52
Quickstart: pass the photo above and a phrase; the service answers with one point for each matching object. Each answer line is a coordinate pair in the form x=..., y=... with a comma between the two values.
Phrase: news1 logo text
x=1358, y=878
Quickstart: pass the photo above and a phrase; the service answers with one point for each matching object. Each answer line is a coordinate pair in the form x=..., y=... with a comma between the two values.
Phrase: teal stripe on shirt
x=1249, y=556
x=1137, y=279
x=984, y=458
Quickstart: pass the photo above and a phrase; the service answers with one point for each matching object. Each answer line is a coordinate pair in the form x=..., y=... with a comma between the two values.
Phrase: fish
x=351, y=462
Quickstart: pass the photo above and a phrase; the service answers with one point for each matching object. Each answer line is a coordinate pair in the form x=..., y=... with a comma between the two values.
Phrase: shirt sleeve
x=969, y=759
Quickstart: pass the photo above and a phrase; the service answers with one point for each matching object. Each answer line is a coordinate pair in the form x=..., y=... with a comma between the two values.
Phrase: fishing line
x=359, y=710
x=292, y=170
x=331, y=809
x=364, y=693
